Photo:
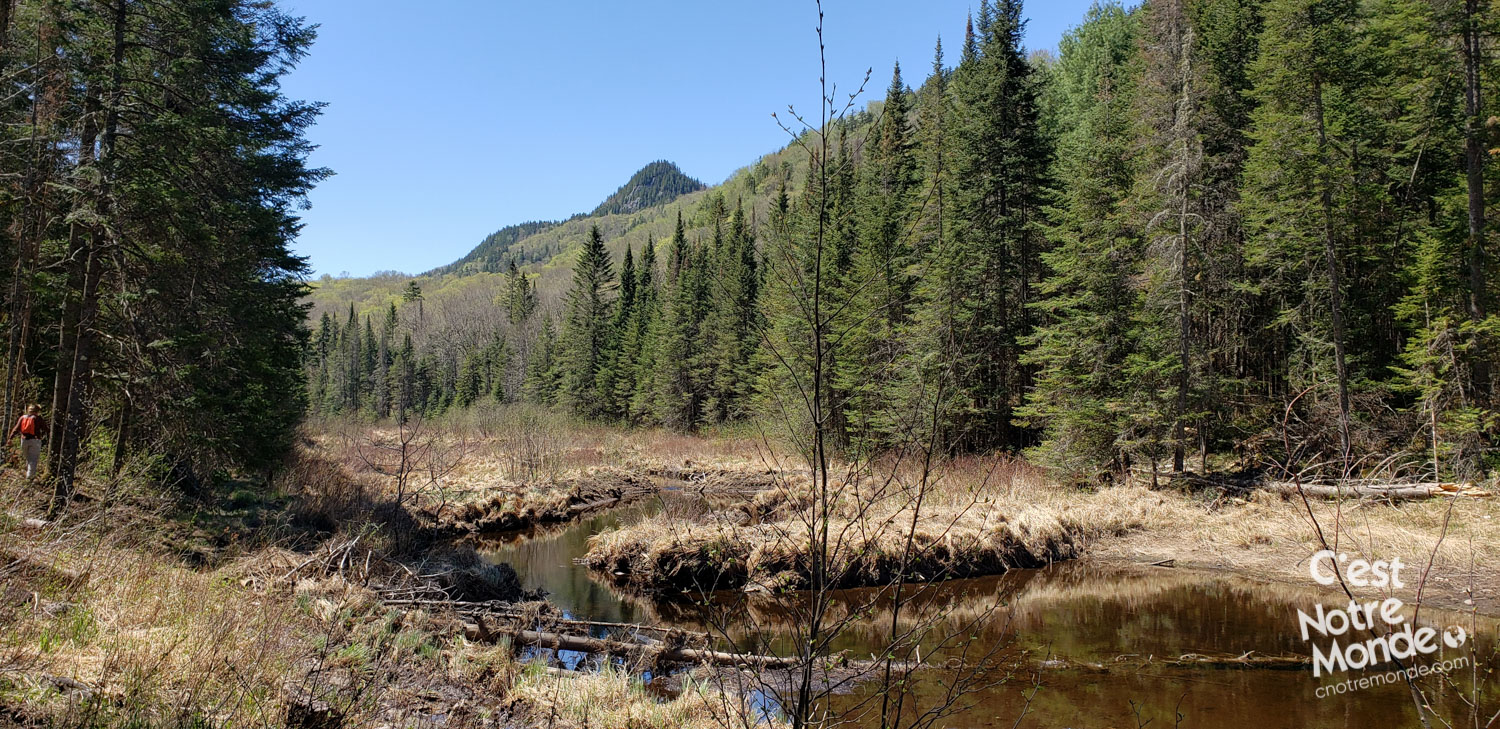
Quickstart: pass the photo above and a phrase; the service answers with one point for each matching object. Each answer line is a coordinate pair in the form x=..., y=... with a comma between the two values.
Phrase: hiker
x=30, y=427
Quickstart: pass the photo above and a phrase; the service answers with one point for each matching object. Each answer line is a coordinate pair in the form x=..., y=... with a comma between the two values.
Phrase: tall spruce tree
x=1088, y=301
x=585, y=338
x=981, y=282
x=880, y=280
x=639, y=349
x=1318, y=216
x=677, y=398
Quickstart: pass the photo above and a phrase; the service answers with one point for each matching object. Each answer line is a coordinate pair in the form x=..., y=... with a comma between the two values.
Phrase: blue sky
x=449, y=119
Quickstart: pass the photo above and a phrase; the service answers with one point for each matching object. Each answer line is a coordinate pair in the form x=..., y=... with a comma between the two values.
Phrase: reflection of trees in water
x=544, y=555
x=1076, y=610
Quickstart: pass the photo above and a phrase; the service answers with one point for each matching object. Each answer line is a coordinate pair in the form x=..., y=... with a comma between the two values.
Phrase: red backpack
x=29, y=426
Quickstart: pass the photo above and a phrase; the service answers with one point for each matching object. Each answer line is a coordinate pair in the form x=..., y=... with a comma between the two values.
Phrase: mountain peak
x=655, y=184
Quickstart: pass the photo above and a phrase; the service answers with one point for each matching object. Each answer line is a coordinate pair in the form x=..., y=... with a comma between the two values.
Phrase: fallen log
x=505, y=611
x=679, y=655
x=1244, y=660
x=560, y=641
x=592, y=505
x=1393, y=491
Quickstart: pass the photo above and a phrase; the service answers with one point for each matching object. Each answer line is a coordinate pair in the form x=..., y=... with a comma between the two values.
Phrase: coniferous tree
x=981, y=282
x=614, y=363
x=730, y=330
x=1082, y=347
x=880, y=280
x=1167, y=372
x=470, y=382
x=543, y=381
x=520, y=310
x=583, y=344
x=634, y=391
x=1314, y=219
x=676, y=400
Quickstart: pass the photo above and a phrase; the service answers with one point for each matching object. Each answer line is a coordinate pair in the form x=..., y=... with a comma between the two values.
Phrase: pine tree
x=981, y=282
x=470, y=384
x=1085, y=340
x=583, y=344
x=520, y=310
x=1445, y=365
x=677, y=400
x=1314, y=216
x=367, y=362
x=615, y=364
x=880, y=282
x=352, y=361
x=730, y=330
x=1168, y=362
x=404, y=373
x=809, y=252
x=639, y=348
x=543, y=381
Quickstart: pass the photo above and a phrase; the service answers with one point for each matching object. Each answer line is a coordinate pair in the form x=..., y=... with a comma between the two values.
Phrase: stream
x=1126, y=619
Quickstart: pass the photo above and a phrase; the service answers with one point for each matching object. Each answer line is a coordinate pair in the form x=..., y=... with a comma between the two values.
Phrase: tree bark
x=67, y=343
x=82, y=370
x=1335, y=285
x=122, y=436
x=80, y=380
x=1474, y=158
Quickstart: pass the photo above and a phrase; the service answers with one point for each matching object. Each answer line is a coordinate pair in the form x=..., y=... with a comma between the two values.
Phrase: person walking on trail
x=30, y=427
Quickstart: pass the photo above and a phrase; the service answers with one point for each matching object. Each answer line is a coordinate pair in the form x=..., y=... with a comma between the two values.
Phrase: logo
x=1391, y=637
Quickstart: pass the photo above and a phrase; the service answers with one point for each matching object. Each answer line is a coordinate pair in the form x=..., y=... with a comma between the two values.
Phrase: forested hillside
x=1203, y=227
x=151, y=174
x=655, y=184
x=492, y=253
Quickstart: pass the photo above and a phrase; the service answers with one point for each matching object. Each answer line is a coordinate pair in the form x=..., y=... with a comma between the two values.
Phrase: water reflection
x=1117, y=628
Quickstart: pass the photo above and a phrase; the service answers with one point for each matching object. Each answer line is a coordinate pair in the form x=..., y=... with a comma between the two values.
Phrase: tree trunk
x=122, y=436
x=62, y=380
x=1336, y=292
x=82, y=370
x=1474, y=157
x=82, y=373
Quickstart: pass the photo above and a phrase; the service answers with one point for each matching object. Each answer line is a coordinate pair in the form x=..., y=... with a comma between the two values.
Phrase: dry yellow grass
x=105, y=622
x=958, y=528
x=985, y=514
x=611, y=698
x=502, y=467
x=114, y=631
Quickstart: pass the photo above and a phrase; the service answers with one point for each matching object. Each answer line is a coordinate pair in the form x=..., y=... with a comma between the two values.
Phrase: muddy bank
x=718, y=554
x=548, y=503
x=565, y=500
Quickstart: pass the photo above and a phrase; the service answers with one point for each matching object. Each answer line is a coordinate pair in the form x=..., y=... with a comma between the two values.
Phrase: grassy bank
x=880, y=527
x=503, y=468
x=982, y=515
x=248, y=606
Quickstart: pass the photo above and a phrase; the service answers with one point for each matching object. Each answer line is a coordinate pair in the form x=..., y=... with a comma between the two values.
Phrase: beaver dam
x=1085, y=644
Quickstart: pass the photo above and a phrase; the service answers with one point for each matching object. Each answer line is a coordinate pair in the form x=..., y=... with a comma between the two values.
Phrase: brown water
x=1128, y=620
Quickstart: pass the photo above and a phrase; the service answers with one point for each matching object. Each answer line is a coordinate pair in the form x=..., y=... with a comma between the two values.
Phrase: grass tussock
x=499, y=468
x=880, y=527
x=983, y=515
x=611, y=698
